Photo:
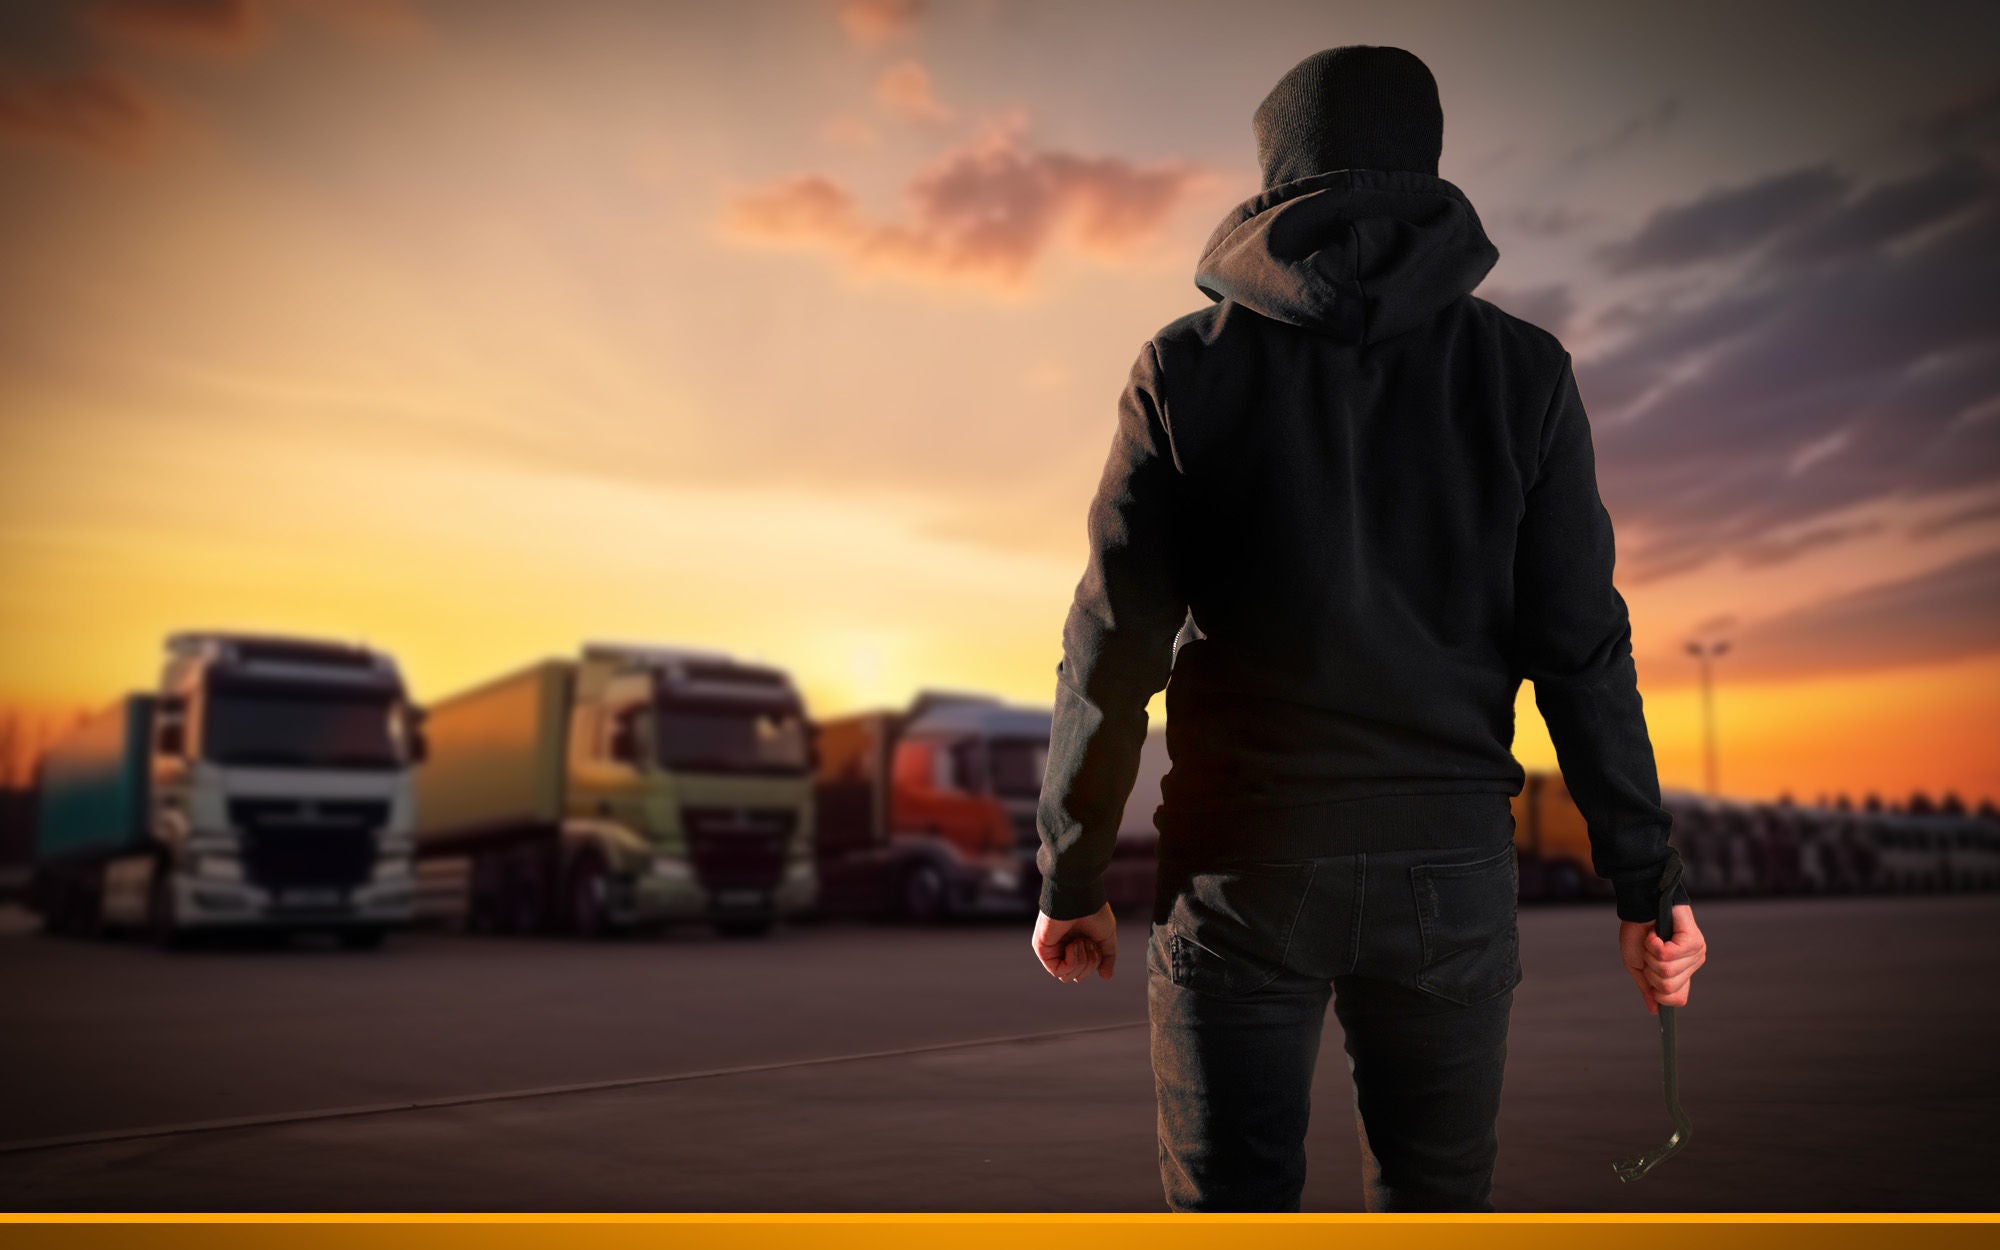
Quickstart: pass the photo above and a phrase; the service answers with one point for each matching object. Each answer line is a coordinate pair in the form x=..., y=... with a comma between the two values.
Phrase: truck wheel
x=87, y=921
x=485, y=887
x=53, y=901
x=162, y=927
x=526, y=896
x=587, y=897
x=516, y=903
x=746, y=927
x=74, y=907
x=926, y=895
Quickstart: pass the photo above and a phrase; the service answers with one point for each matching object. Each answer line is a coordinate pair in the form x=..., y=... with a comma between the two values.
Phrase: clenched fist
x=1663, y=970
x=1071, y=949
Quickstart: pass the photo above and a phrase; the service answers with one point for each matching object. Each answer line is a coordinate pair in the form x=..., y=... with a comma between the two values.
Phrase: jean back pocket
x=1468, y=924
x=1229, y=928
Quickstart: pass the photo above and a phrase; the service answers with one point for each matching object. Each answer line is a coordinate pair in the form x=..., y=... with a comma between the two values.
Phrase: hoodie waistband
x=1471, y=820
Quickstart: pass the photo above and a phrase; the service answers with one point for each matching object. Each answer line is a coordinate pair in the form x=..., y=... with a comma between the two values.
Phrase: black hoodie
x=1348, y=509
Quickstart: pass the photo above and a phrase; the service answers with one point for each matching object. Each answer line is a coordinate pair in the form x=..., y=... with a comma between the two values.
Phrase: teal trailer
x=93, y=791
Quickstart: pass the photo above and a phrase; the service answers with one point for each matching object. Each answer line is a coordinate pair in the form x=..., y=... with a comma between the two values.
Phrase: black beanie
x=1356, y=107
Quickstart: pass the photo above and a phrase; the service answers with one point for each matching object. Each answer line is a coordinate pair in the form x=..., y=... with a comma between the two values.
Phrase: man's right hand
x=1663, y=970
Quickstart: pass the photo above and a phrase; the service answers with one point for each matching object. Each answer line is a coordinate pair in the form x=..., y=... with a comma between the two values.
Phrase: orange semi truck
x=929, y=812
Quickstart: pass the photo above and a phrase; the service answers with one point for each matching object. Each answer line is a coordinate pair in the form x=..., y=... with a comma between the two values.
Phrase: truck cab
x=930, y=812
x=691, y=775
x=264, y=784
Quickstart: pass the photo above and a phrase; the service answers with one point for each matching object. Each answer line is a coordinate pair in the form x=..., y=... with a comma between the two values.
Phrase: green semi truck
x=634, y=785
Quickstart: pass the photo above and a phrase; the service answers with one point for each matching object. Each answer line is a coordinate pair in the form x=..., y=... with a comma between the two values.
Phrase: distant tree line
x=25, y=735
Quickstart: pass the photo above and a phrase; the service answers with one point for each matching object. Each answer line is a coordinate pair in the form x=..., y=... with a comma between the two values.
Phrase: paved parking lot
x=1839, y=1054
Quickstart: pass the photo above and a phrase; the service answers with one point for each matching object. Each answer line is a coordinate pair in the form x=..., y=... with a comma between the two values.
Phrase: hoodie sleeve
x=1118, y=647
x=1576, y=639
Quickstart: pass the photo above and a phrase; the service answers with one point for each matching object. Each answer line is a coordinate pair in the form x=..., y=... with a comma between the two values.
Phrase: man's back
x=1354, y=460
x=1371, y=496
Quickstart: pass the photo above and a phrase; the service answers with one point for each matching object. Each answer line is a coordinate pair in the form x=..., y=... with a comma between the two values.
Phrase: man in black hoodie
x=1348, y=508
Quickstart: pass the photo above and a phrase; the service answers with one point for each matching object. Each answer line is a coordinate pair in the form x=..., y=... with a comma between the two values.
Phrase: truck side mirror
x=170, y=737
x=625, y=739
x=419, y=743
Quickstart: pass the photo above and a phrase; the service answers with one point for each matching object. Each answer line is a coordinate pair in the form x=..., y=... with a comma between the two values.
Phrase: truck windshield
x=732, y=737
x=1018, y=765
x=299, y=726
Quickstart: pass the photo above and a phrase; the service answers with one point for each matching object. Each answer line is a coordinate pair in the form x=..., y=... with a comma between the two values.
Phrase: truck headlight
x=218, y=867
x=672, y=868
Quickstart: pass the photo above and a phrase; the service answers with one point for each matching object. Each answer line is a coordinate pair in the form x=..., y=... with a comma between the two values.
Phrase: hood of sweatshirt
x=1358, y=254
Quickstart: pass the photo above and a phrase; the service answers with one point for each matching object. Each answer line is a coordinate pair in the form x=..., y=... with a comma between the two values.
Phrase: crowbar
x=1637, y=1166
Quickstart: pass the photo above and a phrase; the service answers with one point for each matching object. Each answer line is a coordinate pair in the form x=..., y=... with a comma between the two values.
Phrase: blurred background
x=477, y=477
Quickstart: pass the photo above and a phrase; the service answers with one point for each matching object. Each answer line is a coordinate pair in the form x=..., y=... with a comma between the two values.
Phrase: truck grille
x=318, y=843
x=738, y=848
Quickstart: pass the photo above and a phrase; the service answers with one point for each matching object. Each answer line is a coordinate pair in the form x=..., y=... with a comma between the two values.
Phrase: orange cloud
x=872, y=23
x=183, y=25
x=97, y=110
x=905, y=89
x=389, y=23
x=112, y=113
x=981, y=215
x=848, y=131
x=236, y=26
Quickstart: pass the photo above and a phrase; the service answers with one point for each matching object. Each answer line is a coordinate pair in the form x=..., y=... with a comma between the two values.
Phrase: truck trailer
x=263, y=785
x=635, y=785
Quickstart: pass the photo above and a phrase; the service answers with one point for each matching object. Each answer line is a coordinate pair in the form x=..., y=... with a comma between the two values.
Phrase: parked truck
x=1756, y=848
x=635, y=785
x=263, y=785
x=929, y=812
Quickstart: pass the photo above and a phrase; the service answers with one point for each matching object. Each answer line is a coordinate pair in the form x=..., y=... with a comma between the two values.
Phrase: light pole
x=1706, y=654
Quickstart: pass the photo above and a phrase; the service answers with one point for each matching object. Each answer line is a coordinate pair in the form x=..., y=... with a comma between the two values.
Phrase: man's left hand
x=1071, y=949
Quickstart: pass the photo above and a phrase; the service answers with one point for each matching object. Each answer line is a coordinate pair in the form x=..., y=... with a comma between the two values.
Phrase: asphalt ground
x=1837, y=1055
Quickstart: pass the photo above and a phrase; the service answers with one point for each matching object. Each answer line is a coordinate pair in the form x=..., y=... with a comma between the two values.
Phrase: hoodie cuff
x=1071, y=901
x=1639, y=898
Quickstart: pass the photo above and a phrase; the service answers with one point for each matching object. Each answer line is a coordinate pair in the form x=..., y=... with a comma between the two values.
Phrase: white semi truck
x=265, y=784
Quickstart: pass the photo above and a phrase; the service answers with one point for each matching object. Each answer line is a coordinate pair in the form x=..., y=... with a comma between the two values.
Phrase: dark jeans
x=1420, y=952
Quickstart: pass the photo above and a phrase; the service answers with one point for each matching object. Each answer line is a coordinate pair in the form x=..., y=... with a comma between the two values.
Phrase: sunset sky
x=476, y=330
